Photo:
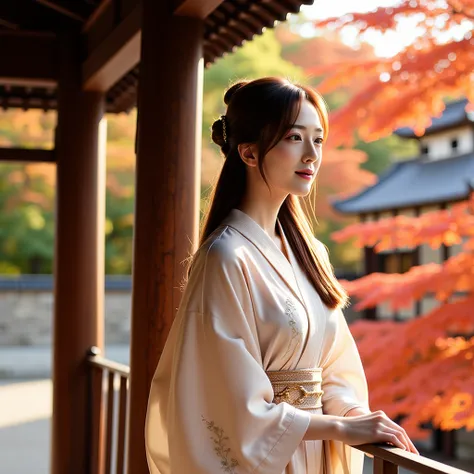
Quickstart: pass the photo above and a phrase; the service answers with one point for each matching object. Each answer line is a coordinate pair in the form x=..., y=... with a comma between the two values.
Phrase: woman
x=260, y=373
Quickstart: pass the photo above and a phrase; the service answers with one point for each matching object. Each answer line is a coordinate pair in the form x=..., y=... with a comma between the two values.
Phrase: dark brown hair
x=261, y=112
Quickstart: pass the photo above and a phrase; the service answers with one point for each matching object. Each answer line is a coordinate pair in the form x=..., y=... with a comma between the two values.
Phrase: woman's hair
x=261, y=112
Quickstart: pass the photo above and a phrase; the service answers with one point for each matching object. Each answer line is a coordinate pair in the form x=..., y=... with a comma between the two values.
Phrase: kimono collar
x=252, y=231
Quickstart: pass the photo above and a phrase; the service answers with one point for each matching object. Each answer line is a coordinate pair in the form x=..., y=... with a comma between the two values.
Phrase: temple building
x=441, y=175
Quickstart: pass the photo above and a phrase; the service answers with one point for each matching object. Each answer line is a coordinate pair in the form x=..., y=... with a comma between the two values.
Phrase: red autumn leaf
x=420, y=370
x=407, y=89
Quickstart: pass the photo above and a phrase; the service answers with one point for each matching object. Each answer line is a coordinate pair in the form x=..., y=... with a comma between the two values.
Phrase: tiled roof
x=453, y=115
x=415, y=182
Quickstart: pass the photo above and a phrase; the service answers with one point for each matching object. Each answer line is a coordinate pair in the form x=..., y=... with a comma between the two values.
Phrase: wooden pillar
x=444, y=248
x=446, y=440
x=79, y=258
x=167, y=194
x=370, y=266
x=398, y=265
x=416, y=263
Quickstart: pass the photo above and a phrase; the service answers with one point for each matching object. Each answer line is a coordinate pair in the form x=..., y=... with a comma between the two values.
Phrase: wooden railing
x=108, y=409
x=108, y=397
x=388, y=459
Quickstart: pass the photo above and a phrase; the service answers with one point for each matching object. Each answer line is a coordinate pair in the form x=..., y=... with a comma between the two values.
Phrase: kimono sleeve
x=344, y=382
x=345, y=387
x=219, y=412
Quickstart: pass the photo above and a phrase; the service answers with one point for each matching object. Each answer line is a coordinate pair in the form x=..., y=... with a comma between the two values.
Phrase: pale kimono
x=246, y=310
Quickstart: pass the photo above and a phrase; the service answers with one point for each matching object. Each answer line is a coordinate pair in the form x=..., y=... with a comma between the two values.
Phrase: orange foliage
x=434, y=228
x=46, y=171
x=407, y=89
x=320, y=51
x=339, y=177
x=418, y=372
x=422, y=369
x=25, y=178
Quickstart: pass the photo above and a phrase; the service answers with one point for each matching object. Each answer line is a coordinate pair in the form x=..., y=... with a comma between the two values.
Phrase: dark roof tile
x=453, y=115
x=413, y=183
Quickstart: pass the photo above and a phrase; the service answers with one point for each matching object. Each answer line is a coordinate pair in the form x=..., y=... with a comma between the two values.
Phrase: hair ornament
x=224, y=127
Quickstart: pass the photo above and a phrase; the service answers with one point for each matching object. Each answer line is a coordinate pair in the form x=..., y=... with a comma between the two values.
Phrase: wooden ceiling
x=29, y=28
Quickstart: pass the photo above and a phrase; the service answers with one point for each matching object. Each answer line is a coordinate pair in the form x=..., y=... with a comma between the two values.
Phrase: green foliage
x=30, y=129
x=118, y=234
x=381, y=153
x=26, y=222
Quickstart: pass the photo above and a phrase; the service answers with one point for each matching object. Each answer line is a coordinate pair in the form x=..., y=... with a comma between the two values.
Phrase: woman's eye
x=294, y=138
x=319, y=141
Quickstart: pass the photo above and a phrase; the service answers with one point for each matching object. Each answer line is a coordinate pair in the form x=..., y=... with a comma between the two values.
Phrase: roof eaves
x=340, y=204
x=443, y=122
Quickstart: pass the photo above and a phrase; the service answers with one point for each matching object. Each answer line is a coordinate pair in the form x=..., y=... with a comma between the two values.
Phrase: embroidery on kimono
x=220, y=447
x=290, y=312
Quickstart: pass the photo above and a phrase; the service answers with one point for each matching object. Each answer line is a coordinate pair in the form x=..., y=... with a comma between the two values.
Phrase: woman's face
x=292, y=165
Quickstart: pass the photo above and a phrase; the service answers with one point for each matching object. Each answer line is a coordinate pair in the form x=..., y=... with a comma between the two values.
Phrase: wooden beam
x=27, y=155
x=117, y=54
x=8, y=24
x=96, y=14
x=39, y=49
x=14, y=81
x=195, y=8
x=60, y=9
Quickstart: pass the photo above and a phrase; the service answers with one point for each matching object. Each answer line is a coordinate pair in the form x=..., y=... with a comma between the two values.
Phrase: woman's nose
x=311, y=153
x=310, y=157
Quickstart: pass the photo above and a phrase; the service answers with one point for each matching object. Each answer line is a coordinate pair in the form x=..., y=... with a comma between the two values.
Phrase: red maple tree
x=420, y=370
x=409, y=88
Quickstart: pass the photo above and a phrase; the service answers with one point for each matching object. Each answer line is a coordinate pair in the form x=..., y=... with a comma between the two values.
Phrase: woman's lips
x=304, y=175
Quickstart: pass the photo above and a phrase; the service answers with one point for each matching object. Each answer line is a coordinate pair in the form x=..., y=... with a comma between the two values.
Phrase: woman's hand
x=374, y=427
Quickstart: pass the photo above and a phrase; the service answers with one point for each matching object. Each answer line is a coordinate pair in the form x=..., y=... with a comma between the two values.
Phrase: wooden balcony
x=107, y=427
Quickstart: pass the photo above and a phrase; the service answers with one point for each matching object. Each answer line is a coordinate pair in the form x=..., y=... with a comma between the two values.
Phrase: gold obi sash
x=300, y=388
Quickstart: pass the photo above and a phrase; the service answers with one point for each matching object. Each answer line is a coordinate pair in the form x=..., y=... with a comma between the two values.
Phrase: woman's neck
x=264, y=213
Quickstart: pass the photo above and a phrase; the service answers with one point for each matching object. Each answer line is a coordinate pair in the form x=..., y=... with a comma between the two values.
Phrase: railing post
x=384, y=467
x=110, y=422
x=95, y=417
x=122, y=425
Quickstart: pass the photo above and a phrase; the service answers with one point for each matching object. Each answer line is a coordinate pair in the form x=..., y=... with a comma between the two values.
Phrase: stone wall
x=26, y=310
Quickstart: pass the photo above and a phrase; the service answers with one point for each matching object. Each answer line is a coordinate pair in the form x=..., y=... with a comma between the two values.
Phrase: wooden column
x=79, y=258
x=446, y=442
x=370, y=266
x=167, y=194
x=417, y=262
x=398, y=265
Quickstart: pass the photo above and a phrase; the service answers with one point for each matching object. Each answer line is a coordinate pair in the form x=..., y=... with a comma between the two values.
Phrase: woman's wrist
x=356, y=411
x=324, y=427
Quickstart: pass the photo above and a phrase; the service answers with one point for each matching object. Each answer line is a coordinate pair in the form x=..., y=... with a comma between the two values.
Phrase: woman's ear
x=248, y=153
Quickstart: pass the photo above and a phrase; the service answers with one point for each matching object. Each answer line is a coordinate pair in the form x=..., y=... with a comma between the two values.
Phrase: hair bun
x=232, y=90
x=218, y=133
